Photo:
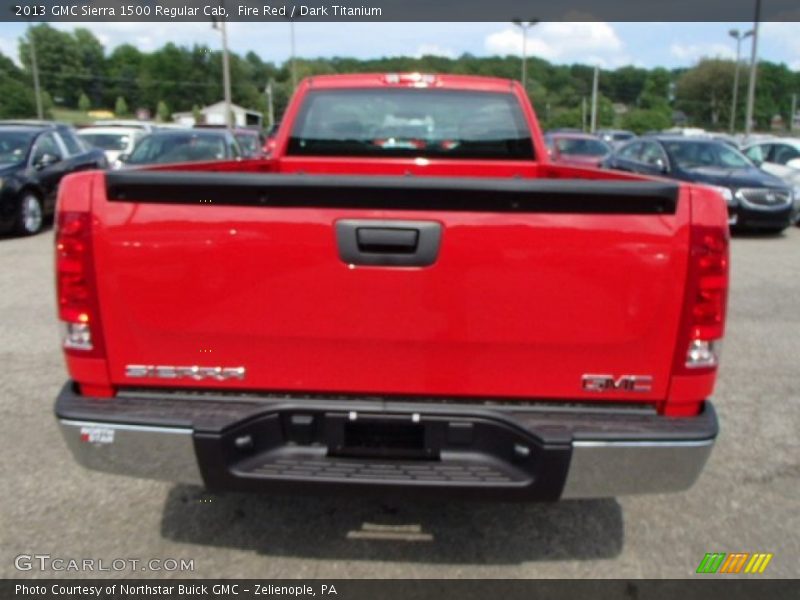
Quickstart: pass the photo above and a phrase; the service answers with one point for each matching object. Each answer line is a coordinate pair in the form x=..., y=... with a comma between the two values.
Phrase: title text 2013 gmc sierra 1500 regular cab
x=406, y=297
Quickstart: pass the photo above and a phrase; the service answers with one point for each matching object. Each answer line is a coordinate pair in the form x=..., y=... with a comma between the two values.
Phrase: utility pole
x=226, y=69
x=751, y=87
x=226, y=74
x=583, y=114
x=738, y=36
x=593, y=126
x=35, y=69
x=270, y=105
x=294, y=64
x=524, y=26
x=793, y=114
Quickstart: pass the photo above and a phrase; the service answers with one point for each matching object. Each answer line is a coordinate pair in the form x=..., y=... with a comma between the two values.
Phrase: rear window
x=248, y=143
x=108, y=141
x=692, y=155
x=581, y=147
x=14, y=145
x=178, y=148
x=411, y=122
x=71, y=142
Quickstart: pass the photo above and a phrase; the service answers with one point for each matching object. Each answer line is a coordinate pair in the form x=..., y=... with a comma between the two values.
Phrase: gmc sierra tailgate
x=417, y=286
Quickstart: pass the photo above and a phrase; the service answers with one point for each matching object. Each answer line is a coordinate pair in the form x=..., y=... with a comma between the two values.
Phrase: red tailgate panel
x=517, y=305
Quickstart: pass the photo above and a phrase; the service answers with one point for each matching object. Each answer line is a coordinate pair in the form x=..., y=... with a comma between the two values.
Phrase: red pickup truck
x=406, y=297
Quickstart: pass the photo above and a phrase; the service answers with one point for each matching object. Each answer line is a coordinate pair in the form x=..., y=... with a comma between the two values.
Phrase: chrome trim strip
x=124, y=427
x=600, y=469
x=164, y=453
x=637, y=444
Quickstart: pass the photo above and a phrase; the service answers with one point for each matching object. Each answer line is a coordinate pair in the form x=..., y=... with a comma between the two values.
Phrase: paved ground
x=747, y=500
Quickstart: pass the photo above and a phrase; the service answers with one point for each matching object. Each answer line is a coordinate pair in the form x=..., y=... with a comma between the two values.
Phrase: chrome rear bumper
x=607, y=469
x=165, y=453
x=644, y=454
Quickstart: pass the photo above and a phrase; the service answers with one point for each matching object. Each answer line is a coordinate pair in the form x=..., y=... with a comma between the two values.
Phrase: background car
x=725, y=139
x=615, y=137
x=183, y=145
x=781, y=157
x=34, y=157
x=145, y=126
x=746, y=141
x=113, y=140
x=564, y=130
x=251, y=141
x=579, y=149
x=755, y=198
x=687, y=132
x=270, y=139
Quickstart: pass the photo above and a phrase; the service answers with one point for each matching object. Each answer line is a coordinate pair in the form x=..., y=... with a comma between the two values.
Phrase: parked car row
x=760, y=181
x=756, y=199
x=182, y=145
x=578, y=149
x=780, y=157
x=36, y=155
x=121, y=141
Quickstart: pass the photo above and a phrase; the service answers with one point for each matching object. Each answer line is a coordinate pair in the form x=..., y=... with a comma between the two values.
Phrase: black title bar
x=699, y=588
x=397, y=10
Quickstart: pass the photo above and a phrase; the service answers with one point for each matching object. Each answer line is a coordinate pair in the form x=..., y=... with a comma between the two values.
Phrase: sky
x=608, y=45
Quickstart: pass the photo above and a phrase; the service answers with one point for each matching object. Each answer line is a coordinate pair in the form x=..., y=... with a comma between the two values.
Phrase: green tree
x=84, y=104
x=92, y=64
x=16, y=94
x=776, y=84
x=196, y=114
x=705, y=92
x=606, y=117
x=641, y=120
x=570, y=117
x=656, y=89
x=120, y=106
x=624, y=85
x=163, y=111
x=47, y=105
x=59, y=61
x=183, y=76
x=123, y=68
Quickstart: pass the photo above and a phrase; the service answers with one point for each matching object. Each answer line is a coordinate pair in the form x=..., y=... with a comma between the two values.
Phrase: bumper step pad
x=451, y=471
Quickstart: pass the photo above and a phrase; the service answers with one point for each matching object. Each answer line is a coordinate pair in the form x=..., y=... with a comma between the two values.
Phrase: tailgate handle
x=388, y=242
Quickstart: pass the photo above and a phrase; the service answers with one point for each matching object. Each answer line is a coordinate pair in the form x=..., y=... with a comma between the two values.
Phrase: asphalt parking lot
x=747, y=500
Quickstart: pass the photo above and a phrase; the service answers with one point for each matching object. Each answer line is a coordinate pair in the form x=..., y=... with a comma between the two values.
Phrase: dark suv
x=34, y=157
x=756, y=199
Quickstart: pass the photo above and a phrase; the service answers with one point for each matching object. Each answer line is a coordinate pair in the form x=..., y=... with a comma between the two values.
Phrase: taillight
x=75, y=285
x=707, y=297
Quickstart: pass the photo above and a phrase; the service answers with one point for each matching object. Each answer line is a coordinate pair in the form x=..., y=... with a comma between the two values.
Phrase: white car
x=780, y=157
x=146, y=126
x=113, y=140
